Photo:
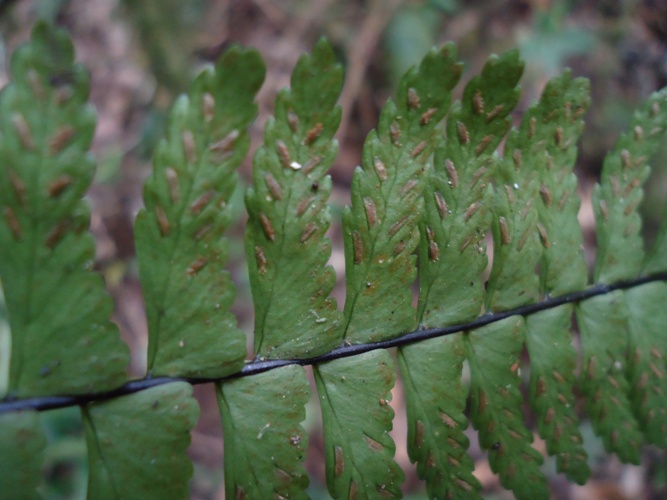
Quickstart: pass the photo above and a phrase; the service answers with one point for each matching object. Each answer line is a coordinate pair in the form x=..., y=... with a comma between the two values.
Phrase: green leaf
x=137, y=443
x=496, y=406
x=188, y=208
x=620, y=249
x=22, y=444
x=435, y=402
x=603, y=328
x=58, y=308
x=354, y=395
x=288, y=216
x=516, y=246
x=558, y=124
x=493, y=350
x=451, y=250
x=656, y=259
x=538, y=156
x=381, y=227
x=265, y=443
x=452, y=259
x=552, y=364
x=5, y=346
x=647, y=348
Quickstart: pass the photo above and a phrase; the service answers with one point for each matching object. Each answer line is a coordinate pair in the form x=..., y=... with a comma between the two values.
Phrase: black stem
x=344, y=351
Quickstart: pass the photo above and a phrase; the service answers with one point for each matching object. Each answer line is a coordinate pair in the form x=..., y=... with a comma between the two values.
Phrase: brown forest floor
x=141, y=54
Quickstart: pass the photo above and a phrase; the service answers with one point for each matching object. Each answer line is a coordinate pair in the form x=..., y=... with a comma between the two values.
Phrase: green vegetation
x=431, y=186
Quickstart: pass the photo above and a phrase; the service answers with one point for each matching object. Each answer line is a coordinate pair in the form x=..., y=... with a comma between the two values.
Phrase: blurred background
x=142, y=54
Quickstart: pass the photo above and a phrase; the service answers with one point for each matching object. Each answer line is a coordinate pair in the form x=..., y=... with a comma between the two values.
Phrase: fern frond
x=381, y=233
x=421, y=189
x=178, y=235
x=58, y=309
x=558, y=123
x=354, y=395
x=603, y=325
x=435, y=402
x=454, y=223
x=381, y=227
x=620, y=249
x=496, y=406
x=137, y=443
x=456, y=214
x=287, y=254
x=22, y=443
x=288, y=215
x=493, y=350
x=648, y=345
x=656, y=259
x=615, y=347
x=264, y=441
x=647, y=342
x=647, y=370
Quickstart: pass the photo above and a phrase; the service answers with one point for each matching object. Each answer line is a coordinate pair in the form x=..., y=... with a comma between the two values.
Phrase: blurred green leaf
x=620, y=248
x=550, y=41
x=603, y=328
x=137, y=444
x=411, y=34
x=167, y=31
x=22, y=443
x=58, y=308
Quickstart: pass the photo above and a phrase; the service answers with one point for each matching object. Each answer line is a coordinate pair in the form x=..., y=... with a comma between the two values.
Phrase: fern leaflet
x=380, y=228
x=264, y=440
x=178, y=234
x=45, y=130
x=386, y=201
x=355, y=396
x=22, y=443
x=287, y=254
x=288, y=217
x=562, y=269
x=609, y=350
x=451, y=260
x=137, y=444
